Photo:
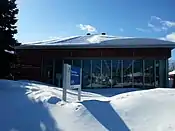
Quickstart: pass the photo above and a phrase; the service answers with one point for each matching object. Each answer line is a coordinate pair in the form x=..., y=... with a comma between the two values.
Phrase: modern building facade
x=106, y=61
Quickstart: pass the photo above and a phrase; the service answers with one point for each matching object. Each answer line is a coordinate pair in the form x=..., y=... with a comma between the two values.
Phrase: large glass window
x=97, y=73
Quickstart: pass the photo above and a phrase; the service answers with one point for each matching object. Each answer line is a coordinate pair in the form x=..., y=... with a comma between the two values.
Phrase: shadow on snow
x=109, y=92
x=19, y=113
x=106, y=115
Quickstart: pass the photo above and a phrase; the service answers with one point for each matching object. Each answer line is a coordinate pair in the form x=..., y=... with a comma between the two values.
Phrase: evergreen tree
x=8, y=28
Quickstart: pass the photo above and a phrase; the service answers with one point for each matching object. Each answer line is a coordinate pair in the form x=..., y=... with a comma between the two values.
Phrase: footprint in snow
x=53, y=100
x=77, y=107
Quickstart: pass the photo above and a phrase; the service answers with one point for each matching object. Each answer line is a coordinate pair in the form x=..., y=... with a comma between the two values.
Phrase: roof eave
x=92, y=46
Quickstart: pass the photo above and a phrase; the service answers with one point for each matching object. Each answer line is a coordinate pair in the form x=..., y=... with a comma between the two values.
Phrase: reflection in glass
x=116, y=73
x=127, y=73
x=48, y=70
x=86, y=74
x=157, y=83
x=163, y=73
x=103, y=73
x=96, y=74
x=68, y=61
x=106, y=73
x=149, y=73
x=76, y=63
x=138, y=73
x=58, y=72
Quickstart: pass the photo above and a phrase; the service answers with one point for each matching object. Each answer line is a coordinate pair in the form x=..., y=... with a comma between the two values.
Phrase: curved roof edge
x=100, y=41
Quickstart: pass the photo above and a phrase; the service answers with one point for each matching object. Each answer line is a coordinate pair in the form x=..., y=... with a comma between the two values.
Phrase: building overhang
x=84, y=43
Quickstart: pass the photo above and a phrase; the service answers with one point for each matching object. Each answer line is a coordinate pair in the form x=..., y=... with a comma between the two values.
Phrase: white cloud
x=155, y=17
x=151, y=25
x=158, y=25
x=168, y=23
x=169, y=37
x=143, y=30
x=121, y=29
x=87, y=28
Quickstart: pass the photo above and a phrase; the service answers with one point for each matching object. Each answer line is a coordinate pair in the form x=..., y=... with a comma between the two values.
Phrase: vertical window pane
x=138, y=73
x=127, y=73
x=96, y=74
x=116, y=73
x=149, y=73
x=58, y=72
x=162, y=73
x=86, y=74
x=77, y=63
x=48, y=70
x=106, y=73
x=157, y=74
x=68, y=61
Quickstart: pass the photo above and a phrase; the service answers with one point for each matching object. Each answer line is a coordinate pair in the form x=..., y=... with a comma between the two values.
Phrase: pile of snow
x=33, y=106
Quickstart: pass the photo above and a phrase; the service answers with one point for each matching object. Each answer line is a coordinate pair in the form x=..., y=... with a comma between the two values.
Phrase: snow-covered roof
x=99, y=41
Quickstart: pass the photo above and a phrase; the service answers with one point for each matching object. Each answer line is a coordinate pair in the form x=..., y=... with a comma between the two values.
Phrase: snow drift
x=34, y=106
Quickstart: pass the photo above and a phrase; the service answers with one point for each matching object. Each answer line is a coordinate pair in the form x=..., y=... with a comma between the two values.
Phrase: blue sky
x=47, y=19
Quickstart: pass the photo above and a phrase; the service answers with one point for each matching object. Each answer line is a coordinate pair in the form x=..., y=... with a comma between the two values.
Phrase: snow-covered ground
x=33, y=106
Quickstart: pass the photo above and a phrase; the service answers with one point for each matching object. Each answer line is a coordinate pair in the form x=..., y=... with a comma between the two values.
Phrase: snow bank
x=29, y=105
x=149, y=110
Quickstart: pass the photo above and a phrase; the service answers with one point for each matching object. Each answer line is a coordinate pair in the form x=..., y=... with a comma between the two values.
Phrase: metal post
x=79, y=89
x=53, y=72
x=122, y=72
x=62, y=71
x=82, y=73
x=91, y=73
x=111, y=75
x=42, y=66
x=143, y=73
x=161, y=73
x=101, y=65
x=154, y=73
x=132, y=73
x=64, y=83
x=150, y=78
x=166, y=77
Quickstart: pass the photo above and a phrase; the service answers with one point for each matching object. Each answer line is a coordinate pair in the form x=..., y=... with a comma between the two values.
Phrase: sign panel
x=71, y=79
x=75, y=77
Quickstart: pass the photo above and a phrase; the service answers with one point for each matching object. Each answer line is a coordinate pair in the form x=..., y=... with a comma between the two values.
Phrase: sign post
x=66, y=80
x=76, y=75
x=72, y=77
